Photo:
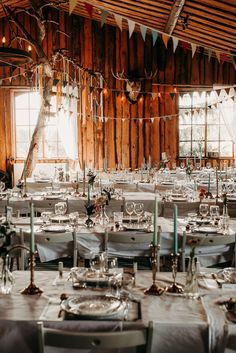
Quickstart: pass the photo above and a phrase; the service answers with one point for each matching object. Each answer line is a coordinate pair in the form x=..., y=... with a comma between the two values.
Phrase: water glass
x=60, y=208
x=6, y=280
x=98, y=261
x=46, y=215
x=129, y=207
x=203, y=209
x=224, y=221
x=118, y=218
x=138, y=209
x=214, y=212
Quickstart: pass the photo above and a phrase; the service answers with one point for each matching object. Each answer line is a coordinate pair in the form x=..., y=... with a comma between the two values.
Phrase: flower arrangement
x=202, y=193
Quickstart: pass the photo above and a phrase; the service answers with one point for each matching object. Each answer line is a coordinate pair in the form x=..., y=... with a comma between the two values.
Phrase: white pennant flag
x=118, y=19
x=154, y=95
x=175, y=43
x=152, y=120
x=194, y=47
x=72, y=5
x=131, y=25
x=143, y=30
x=123, y=120
x=106, y=120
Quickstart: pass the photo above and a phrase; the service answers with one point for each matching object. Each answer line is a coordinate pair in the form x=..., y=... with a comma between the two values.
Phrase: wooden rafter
x=174, y=16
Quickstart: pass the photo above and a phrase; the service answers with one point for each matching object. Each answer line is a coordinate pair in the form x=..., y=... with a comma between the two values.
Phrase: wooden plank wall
x=128, y=137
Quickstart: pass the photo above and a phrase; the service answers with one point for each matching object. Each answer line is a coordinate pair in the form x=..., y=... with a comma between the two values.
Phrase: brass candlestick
x=154, y=289
x=174, y=287
x=32, y=288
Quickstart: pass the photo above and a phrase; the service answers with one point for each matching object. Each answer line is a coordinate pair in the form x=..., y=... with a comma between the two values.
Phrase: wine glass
x=60, y=209
x=214, y=212
x=182, y=165
x=45, y=215
x=129, y=207
x=2, y=187
x=74, y=216
x=203, y=209
x=138, y=209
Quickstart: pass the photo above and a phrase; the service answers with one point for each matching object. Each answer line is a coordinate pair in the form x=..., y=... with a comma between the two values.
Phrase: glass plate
x=54, y=228
x=93, y=306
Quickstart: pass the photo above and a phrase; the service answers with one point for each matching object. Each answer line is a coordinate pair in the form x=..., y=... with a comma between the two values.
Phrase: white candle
x=32, y=238
x=155, y=221
x=175, y=246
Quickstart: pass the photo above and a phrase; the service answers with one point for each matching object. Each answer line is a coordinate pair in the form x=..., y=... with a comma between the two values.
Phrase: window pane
x=224, y=134
x=50, y=149
x=61, y=150
x=185, y=132
x=21, y=100
x=35, y=100
x=50, y=133
x=198, y=148
x=184, y=148
x=22, y=134
x=22, y=117
x=34, y=116
x=226, y=149
x=199, y=116
x=184, y=118
x=212, y=146
x=22, y=149
x=198, y=132
x=213, y=132
x=212, y=117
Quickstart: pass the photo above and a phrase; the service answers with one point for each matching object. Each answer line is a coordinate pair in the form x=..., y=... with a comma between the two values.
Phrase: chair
x=209, y=245
x=47, y=239
x=229, y=343
x=139, y=338
x=129, y=245
x=183, y=208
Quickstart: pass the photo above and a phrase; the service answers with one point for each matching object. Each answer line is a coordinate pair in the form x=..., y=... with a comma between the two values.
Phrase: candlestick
x=32, y=238
x=209, y=183
x=77, y=176
x=155, y=221
x=175, y=246
x=89, y=194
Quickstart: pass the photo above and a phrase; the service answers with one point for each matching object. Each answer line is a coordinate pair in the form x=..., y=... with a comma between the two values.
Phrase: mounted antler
x=133, y=85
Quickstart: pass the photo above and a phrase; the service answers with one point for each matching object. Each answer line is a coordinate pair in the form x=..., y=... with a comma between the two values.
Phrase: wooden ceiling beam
x=174, y=16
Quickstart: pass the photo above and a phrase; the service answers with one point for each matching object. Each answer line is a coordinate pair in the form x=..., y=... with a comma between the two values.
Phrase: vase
x=191, y=285
x=7, y=279
x=104, y=219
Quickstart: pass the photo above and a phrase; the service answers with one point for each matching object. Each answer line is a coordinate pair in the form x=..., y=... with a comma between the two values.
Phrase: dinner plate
x=93, y=306
x=53, y=197
x=60, y=218
x=208, y=229
x=54, y=228
x=179, y=199
x=167, y=183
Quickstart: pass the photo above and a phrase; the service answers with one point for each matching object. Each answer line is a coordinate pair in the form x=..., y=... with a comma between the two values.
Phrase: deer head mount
x=133, y=84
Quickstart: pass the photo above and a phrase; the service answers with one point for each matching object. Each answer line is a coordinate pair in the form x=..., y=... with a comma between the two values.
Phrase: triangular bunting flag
x=217, y=55
x=164, y=118
x=106, y=120
x=165, y=39
x=91, y=88
x=131, y=25
x=89, y=9
x=227, y=90
x=170, y=117
x=118, y=19
x=152, y=120
x=209, y=54
x=154, y=37
x=172, y=95
x=194, y=47
x=140, y=121
x=217, y=92
x=123, y=120
x=72, y=4
x=175, y=43
x=143, y=30
x=223, y=57
x=104, y=15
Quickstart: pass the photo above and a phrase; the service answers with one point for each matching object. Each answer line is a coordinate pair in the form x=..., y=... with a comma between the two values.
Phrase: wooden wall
x=126, y=142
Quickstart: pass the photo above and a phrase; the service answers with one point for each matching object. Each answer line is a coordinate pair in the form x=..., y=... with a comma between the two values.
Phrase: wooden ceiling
x=211, y=23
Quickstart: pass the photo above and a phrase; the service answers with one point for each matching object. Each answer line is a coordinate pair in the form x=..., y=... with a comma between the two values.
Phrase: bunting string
x=221, y=55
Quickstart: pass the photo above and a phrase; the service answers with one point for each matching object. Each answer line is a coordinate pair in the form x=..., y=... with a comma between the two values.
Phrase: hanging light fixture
x=13, y=56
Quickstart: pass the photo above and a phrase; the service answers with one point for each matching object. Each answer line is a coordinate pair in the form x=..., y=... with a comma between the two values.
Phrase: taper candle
x=155, y=221
x=32, y=238
x=175, y=246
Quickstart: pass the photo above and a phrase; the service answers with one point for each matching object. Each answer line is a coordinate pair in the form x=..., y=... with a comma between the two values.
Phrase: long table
x=181, y=324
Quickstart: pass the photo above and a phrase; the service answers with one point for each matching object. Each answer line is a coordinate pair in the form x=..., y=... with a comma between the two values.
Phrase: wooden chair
x=208, y=244
x=183, y=208
x=45, y=238
x=134, y=245
x=140, y=338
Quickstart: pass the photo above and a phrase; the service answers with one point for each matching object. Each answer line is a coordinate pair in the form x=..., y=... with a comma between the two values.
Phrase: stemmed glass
x=138, y=209
x=2, y=187
x=203, y=209
x=74, y=216
x=45, y=215
x=129, y=207
x=214, y=212
x=60, y=208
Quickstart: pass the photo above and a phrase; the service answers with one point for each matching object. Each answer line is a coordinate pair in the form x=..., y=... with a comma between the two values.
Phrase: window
x=201, y=126
x=54, y=144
